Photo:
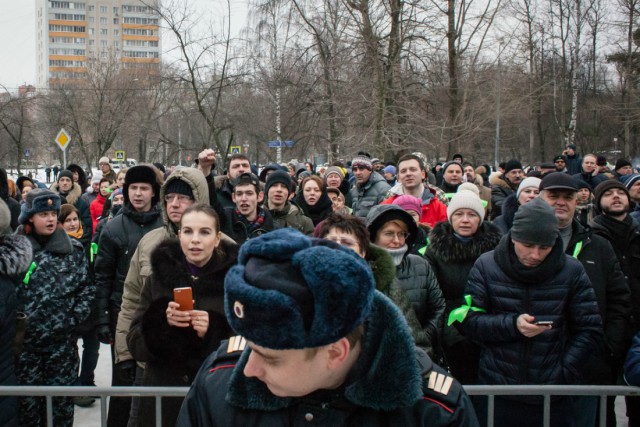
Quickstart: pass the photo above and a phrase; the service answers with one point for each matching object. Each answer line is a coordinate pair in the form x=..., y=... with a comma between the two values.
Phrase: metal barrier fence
x=48, y=392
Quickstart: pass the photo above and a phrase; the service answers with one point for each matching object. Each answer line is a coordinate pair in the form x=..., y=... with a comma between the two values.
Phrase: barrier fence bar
x=477, y=390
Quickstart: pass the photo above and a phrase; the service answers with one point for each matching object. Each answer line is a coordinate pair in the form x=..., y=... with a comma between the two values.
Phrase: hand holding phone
x=184, y=297
x=543, y=322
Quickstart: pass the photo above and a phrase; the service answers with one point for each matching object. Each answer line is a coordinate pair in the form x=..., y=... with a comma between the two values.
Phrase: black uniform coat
x=173, y=355
x=391, y=384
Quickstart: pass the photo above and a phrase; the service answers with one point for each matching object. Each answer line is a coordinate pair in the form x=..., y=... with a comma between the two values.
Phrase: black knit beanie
x=178, y=186
x=278, y=176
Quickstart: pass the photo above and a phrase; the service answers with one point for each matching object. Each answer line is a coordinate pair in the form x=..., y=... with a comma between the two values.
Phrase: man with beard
x=623, y=232
x=560, y=163
x=504, y=185
x=599, y=260
x=590, y=172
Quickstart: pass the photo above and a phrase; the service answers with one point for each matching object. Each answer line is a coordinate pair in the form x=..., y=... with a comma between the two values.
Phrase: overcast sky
x=18, y=26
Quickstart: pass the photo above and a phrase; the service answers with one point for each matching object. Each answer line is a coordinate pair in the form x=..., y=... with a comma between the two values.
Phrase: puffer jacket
x=452, y=260
x=172, y=356
x=557, y=290
x=592, y=180
x=59, y=294
x=140, y=266
x=15, y=257
x=293, y=217
x=573, y=164
x=364, y=197
x=118, y=242
x=614, y=301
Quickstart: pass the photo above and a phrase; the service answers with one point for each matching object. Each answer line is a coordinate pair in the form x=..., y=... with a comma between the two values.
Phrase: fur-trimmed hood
x=385, y=376
x=498, y=179
x=15, y=255
x=445, y=246
x=73, y=195
x=198, y=183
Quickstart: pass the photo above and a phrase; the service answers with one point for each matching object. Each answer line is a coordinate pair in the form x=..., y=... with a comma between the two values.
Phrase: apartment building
x=71, y=34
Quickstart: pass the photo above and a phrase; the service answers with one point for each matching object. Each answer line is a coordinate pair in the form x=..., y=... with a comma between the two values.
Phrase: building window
x=115, y=10
x=91, y=20
x=103, y=21
x=92, y=31
x=103, y=9
x=104, y=32
x=116, y=32
x=92, y=42
x=91, y=8
x=115, y=21
x=115, y=43
x=103, y=43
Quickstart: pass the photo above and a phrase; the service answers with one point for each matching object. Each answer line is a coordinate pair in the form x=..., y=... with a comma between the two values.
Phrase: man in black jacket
x=118, y=242
x=599, y=260
x=318, y=346
x=623, y=232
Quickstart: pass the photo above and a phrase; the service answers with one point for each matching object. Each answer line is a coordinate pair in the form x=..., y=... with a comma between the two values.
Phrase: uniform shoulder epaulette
x=439, y=385
x=227, y=354
x=236, y=344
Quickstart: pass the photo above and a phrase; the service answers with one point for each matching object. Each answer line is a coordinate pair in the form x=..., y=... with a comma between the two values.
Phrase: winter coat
x=88, y=198
x=140, y=266
x=111, y=175
x=509, y=208
x=557, y=290
x=224, y=190
x=585, y=211
x=372, y=193
x=500, y=190
x=613, y=296
x=592, y=180
x=632, y=364
x=73, y=197
x=118, y=241
x=173, y=355
x=451, y=261
x=232, y=226
x=82, y=175
x=292, y=216
x=387, y=386
x=573, y=164
x=15, y=258
x=433, y=209
x=59, y=294
x=96, y=209
x=384, y=273
x=417, y=280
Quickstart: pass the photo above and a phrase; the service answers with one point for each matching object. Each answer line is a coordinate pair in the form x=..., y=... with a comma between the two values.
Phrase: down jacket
x=15, y=257
x=173, y=355
x=632, y=364
x=118, y=242
x=557, y=290
x=500, y=190
x=372, y=193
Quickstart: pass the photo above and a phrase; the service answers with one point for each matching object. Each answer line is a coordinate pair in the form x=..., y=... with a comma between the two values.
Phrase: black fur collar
x=169, y=265
x=444, y=245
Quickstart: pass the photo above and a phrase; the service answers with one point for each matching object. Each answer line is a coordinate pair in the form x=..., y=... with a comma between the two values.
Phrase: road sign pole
x=64, y=158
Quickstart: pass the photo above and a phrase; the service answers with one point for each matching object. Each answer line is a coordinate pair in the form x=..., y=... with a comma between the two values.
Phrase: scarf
x=252, y=225
x=397, y=254
x=505, y=256
x=619, y=230
x=317, y=212
x=77, y=234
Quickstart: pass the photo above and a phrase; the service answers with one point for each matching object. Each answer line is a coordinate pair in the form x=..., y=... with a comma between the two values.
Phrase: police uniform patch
x=440, y=383
x=237, y=343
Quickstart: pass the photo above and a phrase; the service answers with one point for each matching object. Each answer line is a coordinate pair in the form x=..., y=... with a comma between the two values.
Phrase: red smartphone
x=184, y=297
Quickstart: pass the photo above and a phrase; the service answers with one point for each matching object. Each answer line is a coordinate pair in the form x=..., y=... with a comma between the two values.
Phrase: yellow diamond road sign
x=63, y=139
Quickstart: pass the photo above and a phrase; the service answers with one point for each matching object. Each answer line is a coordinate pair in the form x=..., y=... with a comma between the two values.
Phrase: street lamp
x=496, y=154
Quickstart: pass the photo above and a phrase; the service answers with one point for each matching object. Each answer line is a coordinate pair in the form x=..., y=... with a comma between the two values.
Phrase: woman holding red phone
x=172, y=339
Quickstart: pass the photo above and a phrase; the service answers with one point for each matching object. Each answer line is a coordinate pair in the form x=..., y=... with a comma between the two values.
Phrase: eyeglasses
x=181, y=198
x=402, y=235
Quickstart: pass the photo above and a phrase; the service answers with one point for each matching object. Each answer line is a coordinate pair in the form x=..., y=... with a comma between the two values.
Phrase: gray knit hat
x=535, y=223
x=333, y=169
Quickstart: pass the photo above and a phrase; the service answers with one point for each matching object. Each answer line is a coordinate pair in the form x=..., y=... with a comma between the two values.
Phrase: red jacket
x=433, y=212
x=96, y=209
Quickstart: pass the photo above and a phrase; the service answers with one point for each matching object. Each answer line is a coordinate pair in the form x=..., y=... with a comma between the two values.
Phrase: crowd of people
x=390, y=285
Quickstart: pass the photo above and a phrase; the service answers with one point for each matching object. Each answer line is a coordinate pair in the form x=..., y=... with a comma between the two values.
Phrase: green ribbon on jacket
x=93, y=251
x=460, y=313
x=27, y=276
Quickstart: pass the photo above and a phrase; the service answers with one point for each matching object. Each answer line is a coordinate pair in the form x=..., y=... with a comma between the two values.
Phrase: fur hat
x=39, y=200
x=465, y=199
x=409, y=203
x=511, y=165
x=531, y=181
x=66, y=173
x=323, y=291
x=141, y=174
x=281, y=177
x=362, y=161
x=535, y=223
x=599, y=191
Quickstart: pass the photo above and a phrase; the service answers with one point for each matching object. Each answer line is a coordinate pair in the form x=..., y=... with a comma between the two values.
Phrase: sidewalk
x=90, y=417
